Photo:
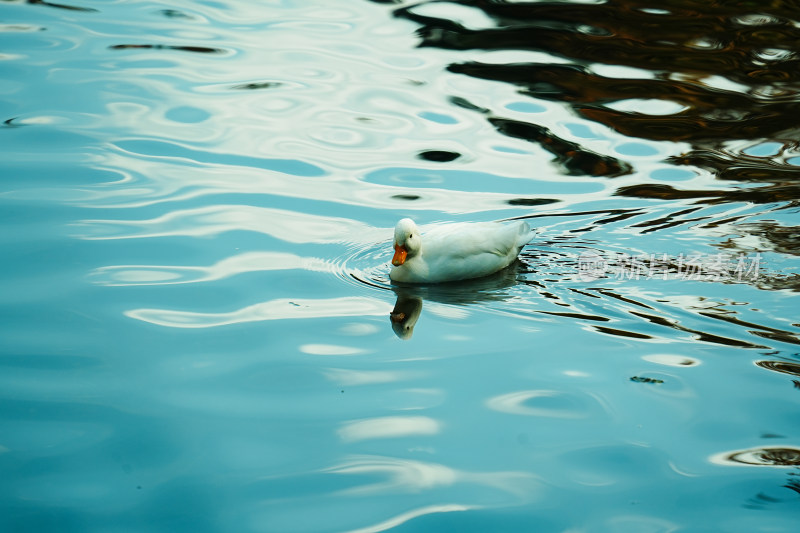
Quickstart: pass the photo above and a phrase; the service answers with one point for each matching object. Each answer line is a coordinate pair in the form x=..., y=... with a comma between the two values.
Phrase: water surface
x=197, y=207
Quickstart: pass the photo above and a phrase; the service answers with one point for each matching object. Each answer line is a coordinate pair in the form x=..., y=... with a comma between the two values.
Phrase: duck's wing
x=474, y=239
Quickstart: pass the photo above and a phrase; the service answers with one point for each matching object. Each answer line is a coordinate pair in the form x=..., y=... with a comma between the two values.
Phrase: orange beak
x=400, y=254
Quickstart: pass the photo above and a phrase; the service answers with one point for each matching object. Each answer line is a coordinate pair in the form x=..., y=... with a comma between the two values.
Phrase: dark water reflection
x=67, y=7
x=772, y=456
x=726, y=71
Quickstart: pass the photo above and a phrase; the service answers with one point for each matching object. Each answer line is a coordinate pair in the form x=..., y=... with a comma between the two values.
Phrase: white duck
x=455, y=251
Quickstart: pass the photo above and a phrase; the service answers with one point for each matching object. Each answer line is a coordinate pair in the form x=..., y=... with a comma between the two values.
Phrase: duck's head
x=407, y=242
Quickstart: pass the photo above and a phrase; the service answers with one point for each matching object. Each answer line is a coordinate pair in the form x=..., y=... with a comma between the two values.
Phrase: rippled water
x=197, y=205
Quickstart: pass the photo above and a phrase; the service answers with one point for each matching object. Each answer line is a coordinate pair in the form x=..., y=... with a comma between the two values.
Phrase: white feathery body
x=458, y=251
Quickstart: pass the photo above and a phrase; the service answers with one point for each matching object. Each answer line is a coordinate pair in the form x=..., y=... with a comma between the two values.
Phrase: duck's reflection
x=408, y=307
x=405, y=314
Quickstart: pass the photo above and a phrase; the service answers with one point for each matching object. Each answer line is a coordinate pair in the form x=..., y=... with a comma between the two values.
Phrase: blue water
x=197, y=206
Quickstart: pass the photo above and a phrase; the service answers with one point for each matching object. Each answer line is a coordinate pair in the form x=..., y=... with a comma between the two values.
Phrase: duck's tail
x=526, y=234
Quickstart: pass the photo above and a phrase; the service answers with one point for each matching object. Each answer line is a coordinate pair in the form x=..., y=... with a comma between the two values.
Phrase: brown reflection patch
x=532, y=201
x=784, y=367
x=256, y=86
x=62, y=6
x=767, y=456
x=761, y=331
x=573, y=83
x=622, y=332
x=754, y=122
x=196, y=49
x=756, y=195
x=739, y=167
x=699, y=335
x=641, y=379
x=773, y=237
x=575, y=159
x=579, y=316
x=664, y=192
